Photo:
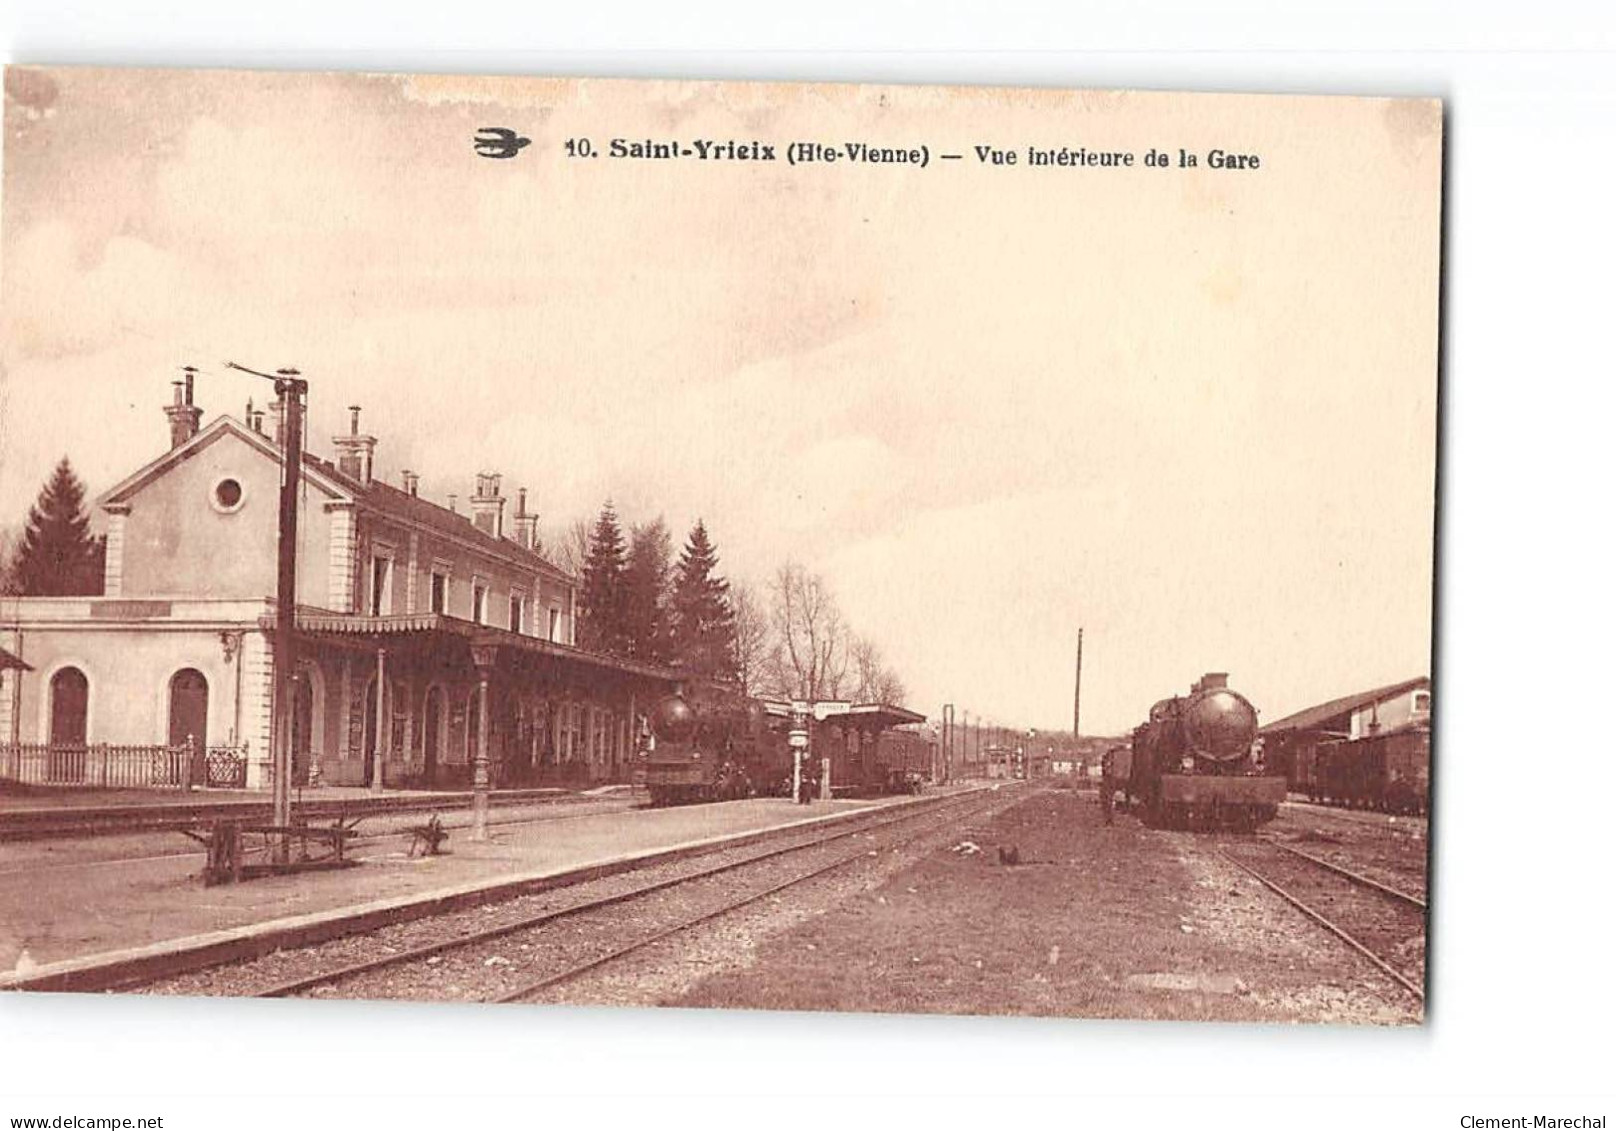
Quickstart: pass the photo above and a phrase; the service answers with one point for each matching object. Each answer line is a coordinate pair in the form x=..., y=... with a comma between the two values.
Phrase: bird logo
x=498, y=142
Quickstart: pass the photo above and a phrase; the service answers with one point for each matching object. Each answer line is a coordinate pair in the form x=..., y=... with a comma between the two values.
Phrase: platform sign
x=798, y=736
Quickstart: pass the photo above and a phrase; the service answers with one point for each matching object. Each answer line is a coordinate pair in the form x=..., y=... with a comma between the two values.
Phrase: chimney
x=412, y=483
x=255, y=417
x=356, y=454
x=454, y=504
x=527, y=525
x=277, y=417
x=183, y=416
x=488, y=505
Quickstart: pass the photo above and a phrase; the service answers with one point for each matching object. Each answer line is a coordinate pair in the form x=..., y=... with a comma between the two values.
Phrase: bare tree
x=890, y=689
x=876, y=682
x=751, y=635
x=866, y=657
x=570, y=546
x=809, y=660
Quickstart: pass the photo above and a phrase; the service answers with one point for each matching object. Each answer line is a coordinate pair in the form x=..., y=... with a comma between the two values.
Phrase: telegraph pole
x=965, y=741
x=292, y=388
x=1077, y=691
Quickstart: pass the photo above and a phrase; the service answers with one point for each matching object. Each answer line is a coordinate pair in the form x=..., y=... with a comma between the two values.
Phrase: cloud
x=1194, y=416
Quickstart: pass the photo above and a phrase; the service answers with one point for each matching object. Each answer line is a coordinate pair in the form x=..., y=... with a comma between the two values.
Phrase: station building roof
x=1323, y=713
x=435, y=626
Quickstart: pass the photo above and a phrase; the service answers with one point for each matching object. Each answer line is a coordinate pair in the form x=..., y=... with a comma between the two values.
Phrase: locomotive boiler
x=1197, y=763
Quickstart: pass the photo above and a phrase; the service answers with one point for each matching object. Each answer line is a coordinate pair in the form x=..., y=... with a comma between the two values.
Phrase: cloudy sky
x=1192, y=411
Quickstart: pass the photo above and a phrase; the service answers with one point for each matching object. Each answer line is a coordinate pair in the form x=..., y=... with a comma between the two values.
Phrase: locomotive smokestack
x=1214, y=680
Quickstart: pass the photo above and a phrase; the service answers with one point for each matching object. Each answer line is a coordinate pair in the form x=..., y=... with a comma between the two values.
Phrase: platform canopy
x=8, y=662
x=875, y=716
x=881, y=715
x=430, y=630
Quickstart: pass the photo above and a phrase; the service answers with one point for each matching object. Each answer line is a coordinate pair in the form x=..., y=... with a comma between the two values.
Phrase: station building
x=405, y=608
x=1294, y=739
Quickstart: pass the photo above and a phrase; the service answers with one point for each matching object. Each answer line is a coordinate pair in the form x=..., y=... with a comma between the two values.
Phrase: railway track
x=467, y=956
x=48, y=822
x=1357, y=816
x=1382, y=924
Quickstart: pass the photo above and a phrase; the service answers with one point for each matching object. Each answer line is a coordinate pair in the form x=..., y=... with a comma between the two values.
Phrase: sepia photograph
x=869, y=548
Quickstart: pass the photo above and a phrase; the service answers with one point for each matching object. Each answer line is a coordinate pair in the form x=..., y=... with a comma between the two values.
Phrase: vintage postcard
x=803, y=547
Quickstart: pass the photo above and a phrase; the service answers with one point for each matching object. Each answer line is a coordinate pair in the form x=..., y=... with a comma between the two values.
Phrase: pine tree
x=57, y=556
x=600, y=620
x=645, y=592
x=703, y=620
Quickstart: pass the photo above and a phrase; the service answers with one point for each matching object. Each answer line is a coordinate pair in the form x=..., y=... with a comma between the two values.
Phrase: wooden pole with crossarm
x=292, y=388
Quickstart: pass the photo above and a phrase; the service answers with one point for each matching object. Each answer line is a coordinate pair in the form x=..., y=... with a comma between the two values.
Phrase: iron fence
x=108, y=765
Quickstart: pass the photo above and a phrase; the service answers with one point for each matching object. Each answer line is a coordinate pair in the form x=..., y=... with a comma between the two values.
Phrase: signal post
x=798, y=740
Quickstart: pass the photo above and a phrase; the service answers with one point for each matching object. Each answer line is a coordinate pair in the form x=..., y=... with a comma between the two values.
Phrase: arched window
x=69, y=708
x=188, y=708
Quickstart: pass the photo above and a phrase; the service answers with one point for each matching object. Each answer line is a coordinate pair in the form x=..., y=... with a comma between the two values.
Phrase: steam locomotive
x=708, y=742
x=1196, y=762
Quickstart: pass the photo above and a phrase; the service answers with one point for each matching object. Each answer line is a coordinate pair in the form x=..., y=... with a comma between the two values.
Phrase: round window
x=227, y=495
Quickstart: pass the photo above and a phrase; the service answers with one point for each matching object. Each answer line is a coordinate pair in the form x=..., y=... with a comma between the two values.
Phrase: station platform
x=69, y=903
x=41, y=812
x=15, y=798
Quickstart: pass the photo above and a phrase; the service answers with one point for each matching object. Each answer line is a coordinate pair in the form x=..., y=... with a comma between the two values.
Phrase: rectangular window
x=518, y=613
x=1422, y=702
x=381, y=586
x=440, y=592
x=555, y=626
x=479, y=603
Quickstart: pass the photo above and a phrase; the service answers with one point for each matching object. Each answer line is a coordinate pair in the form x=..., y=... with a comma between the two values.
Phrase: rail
x=946, y=807
x=1331, y=925
x=1348, y=873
